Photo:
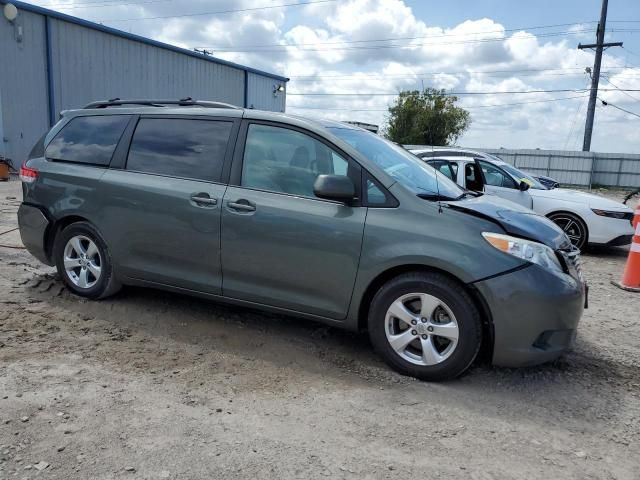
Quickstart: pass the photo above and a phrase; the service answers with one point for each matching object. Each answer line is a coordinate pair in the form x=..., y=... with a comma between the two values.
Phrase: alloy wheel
x=82, y=261
x=572, y=227
x=421, y=329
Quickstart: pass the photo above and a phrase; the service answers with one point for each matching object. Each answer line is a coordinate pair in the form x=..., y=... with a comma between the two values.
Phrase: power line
x=629, y=51
x=85, y=2
x=222, y=12
x=102, y=4
x=607, y=104
x=536, y=27
x=280, y=48
x=459, y=72
x=420, y=75
x=618, y=88
x=573, y=124
x=461, y=106
x=579, y=90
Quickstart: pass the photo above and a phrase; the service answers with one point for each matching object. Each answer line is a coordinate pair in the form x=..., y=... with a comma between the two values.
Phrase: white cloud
x=341, y=51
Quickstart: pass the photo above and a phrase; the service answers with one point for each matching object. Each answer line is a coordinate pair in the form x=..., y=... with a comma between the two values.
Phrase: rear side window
x=38, y=148
x=180, y=147
x=90, y=140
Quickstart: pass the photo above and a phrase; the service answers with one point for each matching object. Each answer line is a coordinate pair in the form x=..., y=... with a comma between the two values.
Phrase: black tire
x=573, y=226
x=106, y=284
x=459, y=302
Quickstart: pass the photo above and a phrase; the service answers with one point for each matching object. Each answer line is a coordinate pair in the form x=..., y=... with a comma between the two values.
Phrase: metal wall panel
x=260, y=93
x=23, y=85
x=571, y=167
x=576, y=168
x=92, y=65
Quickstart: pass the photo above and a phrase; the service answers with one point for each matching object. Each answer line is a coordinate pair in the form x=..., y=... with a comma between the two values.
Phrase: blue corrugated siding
x=91, y=65
x=23, y=86
x=260, y=93
x=27, y=7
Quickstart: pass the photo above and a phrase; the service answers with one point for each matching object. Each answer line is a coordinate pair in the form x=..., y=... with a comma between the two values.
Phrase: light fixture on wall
x=10, y=12
x=277, y=89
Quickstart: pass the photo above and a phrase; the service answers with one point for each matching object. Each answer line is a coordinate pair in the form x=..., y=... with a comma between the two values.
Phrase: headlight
x=533, y=252
x=610, y=214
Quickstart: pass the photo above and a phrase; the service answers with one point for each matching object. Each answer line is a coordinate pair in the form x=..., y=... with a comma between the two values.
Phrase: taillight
x=28, y=175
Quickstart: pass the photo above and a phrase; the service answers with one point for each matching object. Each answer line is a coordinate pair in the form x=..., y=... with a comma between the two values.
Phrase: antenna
x=437, y=188
x=436, y=170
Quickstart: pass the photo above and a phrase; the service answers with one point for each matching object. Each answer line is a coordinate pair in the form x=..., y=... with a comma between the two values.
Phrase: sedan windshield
x=403, y=166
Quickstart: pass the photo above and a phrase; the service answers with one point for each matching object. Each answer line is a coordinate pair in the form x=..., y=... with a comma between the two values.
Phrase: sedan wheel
x=573, y=226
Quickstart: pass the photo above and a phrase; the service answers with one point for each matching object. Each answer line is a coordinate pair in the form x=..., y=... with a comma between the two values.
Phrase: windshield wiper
x=465, y=195
x=469, y=193
x=434, y=197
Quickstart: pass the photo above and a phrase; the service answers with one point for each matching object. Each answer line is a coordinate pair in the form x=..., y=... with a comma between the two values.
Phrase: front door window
x=496, y=177
x=287, y=161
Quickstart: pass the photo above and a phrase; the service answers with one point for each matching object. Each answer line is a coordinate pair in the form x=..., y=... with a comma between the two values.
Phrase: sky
x=347, y=59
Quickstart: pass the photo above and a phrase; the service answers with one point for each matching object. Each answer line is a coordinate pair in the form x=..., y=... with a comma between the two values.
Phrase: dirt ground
x=155, y=385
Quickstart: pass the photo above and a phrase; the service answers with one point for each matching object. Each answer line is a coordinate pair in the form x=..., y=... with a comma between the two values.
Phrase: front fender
x=449, y=241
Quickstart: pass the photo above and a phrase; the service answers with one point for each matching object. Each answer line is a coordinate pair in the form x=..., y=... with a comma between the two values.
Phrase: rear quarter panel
x=66, y=189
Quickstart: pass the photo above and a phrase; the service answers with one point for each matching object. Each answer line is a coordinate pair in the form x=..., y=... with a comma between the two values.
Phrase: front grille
x=573, y=262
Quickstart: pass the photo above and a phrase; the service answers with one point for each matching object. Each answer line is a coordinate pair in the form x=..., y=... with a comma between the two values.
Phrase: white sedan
x=585, y=218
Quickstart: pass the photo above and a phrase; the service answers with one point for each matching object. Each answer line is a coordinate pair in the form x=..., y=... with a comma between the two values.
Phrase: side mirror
x=334, y=187
x=524, y=186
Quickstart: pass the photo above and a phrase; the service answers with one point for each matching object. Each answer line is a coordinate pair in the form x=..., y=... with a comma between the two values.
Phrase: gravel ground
x=155, y=385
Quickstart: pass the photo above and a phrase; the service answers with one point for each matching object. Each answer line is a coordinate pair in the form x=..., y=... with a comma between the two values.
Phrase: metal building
x=50, y=62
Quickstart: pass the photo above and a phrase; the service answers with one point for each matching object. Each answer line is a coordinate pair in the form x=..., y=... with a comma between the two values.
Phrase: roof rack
x=183, y=102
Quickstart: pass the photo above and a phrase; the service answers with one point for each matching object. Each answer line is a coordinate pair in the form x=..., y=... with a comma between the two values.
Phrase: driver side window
x=277, y=159
x=495, y=176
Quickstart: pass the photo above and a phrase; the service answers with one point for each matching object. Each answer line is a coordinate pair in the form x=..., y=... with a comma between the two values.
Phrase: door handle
x=203, y=199
x=241, y=206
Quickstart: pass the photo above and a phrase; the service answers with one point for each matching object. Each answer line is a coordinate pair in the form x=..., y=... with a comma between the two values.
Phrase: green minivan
x=315, y=219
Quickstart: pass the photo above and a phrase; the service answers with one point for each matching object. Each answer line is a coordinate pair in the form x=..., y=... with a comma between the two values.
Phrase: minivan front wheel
x=83, y=261
x=425, y=325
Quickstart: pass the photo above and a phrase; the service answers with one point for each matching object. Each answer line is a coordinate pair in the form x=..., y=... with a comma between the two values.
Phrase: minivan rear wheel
x=425, y=325
x=83, y=261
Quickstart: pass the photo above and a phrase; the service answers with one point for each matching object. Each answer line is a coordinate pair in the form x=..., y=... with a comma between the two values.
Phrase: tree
x=426, y=118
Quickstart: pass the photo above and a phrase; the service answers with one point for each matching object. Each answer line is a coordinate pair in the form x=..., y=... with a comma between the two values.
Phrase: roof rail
x=183, y=102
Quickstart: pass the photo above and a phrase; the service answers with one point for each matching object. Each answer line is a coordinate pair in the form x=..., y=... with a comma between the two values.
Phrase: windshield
x=403, y=166
x=520, y=175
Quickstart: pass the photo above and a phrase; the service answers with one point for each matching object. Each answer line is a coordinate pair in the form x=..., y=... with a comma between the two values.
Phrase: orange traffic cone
x=631, y=276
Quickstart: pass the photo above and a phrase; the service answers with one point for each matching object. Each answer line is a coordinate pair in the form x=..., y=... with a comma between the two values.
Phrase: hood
x=515, y=220
x=568, y=195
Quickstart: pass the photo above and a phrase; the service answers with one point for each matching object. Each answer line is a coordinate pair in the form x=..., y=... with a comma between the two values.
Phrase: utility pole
x=599, y=46
x=203, y=51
